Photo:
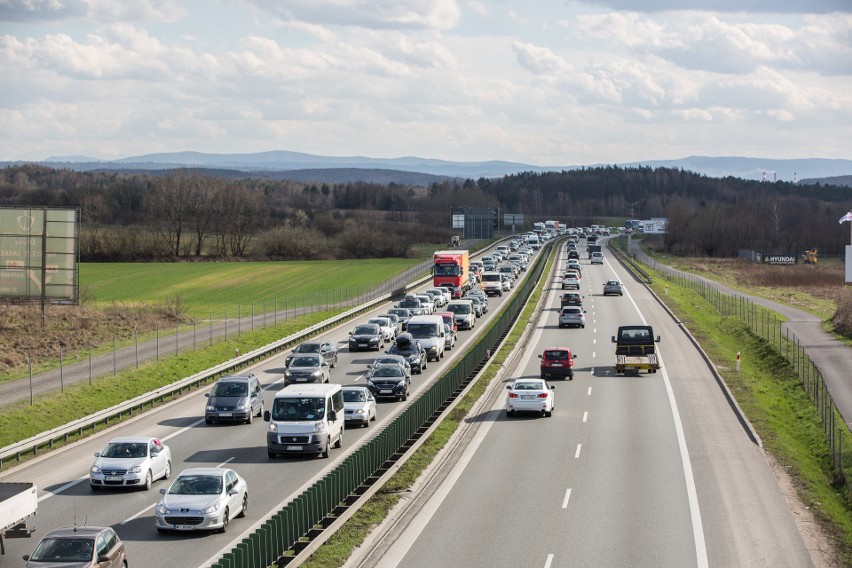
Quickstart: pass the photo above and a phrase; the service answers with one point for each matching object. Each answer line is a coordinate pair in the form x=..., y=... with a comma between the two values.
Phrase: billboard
x=656, y=226
x=39, y=254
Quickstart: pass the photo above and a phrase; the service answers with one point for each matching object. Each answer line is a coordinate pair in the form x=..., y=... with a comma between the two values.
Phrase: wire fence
x=229, y=323
x=769, y=326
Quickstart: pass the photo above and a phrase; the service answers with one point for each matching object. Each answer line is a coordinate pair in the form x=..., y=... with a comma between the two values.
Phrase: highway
x=653, y=470
x=66, y=498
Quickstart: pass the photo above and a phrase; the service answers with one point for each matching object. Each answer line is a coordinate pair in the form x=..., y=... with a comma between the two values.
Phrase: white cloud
x=538, y=60
x=376, y=14
x=739, y=6
x=33, y=11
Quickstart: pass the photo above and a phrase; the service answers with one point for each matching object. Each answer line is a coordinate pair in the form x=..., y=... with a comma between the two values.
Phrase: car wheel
x=324, y=452
x=244, y=510
x=260, y=411
x=405, y=396
x=95, y=487
x=168, y=473
x=339, y=443
x=250, y=416
x=149, y=480
x=272, y=455
x=225, y=521
x=162, y=530
x=208, y=421
x=510, y=413
x=549, y=413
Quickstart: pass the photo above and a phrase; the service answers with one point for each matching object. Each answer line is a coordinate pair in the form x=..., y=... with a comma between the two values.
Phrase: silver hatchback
x=572, y=316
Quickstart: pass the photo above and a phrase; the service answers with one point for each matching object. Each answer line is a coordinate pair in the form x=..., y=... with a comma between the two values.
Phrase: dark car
x=366, y=336
x=389, y=381
x=79, y=547
x=324, y=348
x=307, y=368
x=573, y=254
x=413, y=305
x=571, y=299
x=236, y=398
x=411, y=349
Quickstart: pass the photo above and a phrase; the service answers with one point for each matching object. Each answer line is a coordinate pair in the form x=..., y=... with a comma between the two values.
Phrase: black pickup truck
x=635, y=349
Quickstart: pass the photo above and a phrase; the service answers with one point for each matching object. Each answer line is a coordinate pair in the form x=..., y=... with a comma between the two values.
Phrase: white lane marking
x=593, y=355
x=589, y=392
x=691, y=492
x=139, y=514
x=586, y=416
x=577, y=453
x=227, y=461
x=549, y=561
x=565, y=500
x=181, y=431
x=68, y=485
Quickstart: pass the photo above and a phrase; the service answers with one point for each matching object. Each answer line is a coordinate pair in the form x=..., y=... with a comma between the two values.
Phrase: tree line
x=210, y=214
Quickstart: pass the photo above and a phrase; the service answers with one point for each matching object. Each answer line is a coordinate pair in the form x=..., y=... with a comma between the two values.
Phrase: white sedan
x=530, y=395
x=131, y=462
x=204, y=498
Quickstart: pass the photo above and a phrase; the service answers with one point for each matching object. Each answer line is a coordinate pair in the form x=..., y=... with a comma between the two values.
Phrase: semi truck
x=18, y=503
x=635, y=349
x=452, y=270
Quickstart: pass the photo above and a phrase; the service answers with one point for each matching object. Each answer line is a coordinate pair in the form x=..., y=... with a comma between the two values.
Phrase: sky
x=542, y=82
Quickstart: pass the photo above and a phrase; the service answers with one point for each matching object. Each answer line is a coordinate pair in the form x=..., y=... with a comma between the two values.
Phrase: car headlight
x=359, y=411
x=316, y=374
x=95, y=469
x=135, y=469
x=287, y=373
x=211, y=407
x=161, y=509
x=319, y=426
x=211, y=509
x=273, y=427
x=242, y=406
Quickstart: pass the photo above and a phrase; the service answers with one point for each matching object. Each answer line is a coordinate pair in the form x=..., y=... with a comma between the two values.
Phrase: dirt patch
x=69, y=328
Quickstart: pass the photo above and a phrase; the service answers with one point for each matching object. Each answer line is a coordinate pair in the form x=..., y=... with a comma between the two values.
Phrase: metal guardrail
x=322, y=502
x=49, y=438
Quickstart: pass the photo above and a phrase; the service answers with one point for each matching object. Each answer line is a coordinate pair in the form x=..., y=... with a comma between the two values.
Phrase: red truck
x=452, y=270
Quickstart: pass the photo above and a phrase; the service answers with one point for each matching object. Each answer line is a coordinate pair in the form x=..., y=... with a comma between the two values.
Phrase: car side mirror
x=573, y=355
x=539, y=356
x=552, y=387
x=233, y=492
x=103, y=559
x=332, y=416
x=266, y=416
x=508, y=387
x=207, y=394
x=350, y=333
x=613, y=339
x=97, y=454
x=658, y=339
x=162, y=491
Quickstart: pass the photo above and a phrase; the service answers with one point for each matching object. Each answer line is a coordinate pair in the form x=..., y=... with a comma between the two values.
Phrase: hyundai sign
x=780, y=259
x=38, y=254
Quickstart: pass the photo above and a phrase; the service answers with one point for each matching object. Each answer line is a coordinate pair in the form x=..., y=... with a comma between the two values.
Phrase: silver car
x=307, y=368
x=79, y=547
x=388, y=329
x=131, y=462
x=572, y=316
x=613, y=287
x=359, y=405
x=204, y=498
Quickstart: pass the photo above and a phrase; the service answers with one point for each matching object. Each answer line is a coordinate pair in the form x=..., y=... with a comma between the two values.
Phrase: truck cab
x=635, y=349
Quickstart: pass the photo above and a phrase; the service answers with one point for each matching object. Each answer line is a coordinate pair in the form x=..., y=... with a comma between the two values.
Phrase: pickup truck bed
x=638, y=363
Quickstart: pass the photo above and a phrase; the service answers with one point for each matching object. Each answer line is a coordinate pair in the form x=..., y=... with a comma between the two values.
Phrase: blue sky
x=542, y=82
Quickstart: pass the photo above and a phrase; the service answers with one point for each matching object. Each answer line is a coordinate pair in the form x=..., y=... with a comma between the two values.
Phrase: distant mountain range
x=413, y=170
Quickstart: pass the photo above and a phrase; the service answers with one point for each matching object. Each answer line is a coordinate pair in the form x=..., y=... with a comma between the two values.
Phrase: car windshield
x=305, y=361
x=442, y=269
x=230, y=389
x=409, y=304
x=354, y=395
x=385, y=361
x=55, y=550
x=459, y=308
x=528, y=385
x=571, y=311
x=196, y=485
x=388, y=372
x=295, y=409
x=364, y=330
x=125, y=450
x=307, y=348
x=422, y=330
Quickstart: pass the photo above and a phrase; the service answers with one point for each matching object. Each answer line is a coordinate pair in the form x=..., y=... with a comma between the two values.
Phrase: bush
x=843, y=316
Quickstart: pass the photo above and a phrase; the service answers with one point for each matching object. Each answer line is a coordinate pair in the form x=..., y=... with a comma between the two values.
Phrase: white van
x=429, y=332
x=534, y=242
x=504, y=250
x=492, y=283
x=305, y=418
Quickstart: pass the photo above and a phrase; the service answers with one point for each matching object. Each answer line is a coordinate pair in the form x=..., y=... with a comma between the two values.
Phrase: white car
x=387, y=327
x=570, y=280
x=530, y=395
x=505, y=282
x=359, y=405
x=442, y=296
x=204, y=498
x=131, y=462
x=428, y=304
x=597, y=258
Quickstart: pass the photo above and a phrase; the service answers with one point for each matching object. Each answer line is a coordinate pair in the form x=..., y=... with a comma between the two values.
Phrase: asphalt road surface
x=654, y=470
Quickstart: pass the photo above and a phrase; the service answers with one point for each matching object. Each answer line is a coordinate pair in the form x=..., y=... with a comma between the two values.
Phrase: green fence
x=306, y=512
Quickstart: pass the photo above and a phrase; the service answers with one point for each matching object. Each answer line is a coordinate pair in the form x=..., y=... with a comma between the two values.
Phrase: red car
x=557, y=362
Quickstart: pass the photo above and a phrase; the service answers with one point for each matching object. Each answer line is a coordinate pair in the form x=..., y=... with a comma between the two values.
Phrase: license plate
x=385, y=391
x=556, y=364
x=113, y=478
x=294, y=448
x=301, y=379
x=362, y=345
x=527, y=396
x=184, y=527
x=226, y=414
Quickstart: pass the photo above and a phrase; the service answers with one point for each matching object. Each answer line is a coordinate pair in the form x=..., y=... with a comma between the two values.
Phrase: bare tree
x=170, y=207
x=239, y=212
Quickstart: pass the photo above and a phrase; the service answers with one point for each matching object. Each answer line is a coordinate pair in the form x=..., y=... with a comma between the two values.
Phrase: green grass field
x=211, y=286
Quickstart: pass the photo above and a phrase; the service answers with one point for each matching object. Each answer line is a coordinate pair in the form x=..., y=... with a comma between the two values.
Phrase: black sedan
x=366, y=336
x=411, y=349
x=389, y=382
x=324, y=348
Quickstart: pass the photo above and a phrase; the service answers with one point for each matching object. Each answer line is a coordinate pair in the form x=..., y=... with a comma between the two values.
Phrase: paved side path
x=833, y=358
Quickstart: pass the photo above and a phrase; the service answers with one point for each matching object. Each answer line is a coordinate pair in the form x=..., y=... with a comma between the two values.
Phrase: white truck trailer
x=18, y=503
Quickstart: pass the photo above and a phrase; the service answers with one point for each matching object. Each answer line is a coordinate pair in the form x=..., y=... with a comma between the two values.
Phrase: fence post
x=158, y=343
x=30, y=365
x=90, y=366
x=239, y=320
x=113, y=355
x=136, y=343
x=177, y=335
x=61, y=372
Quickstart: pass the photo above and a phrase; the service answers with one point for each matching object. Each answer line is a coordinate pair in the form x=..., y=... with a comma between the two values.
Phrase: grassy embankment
x=352, y=534
x=126, y=302
x=771, y=395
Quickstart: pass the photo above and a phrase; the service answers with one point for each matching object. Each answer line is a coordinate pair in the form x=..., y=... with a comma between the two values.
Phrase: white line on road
x=593, y=354
x=567, y=496
x=586, y=416
x=181, y=431
x=589, y=393
x=577, y=453
x=139, y=514
x=227, y=461
x=68, y=485
x=549, y=561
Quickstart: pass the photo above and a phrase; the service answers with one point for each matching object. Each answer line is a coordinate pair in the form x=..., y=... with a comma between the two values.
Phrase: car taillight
x=512, y=395
x=543, y=395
